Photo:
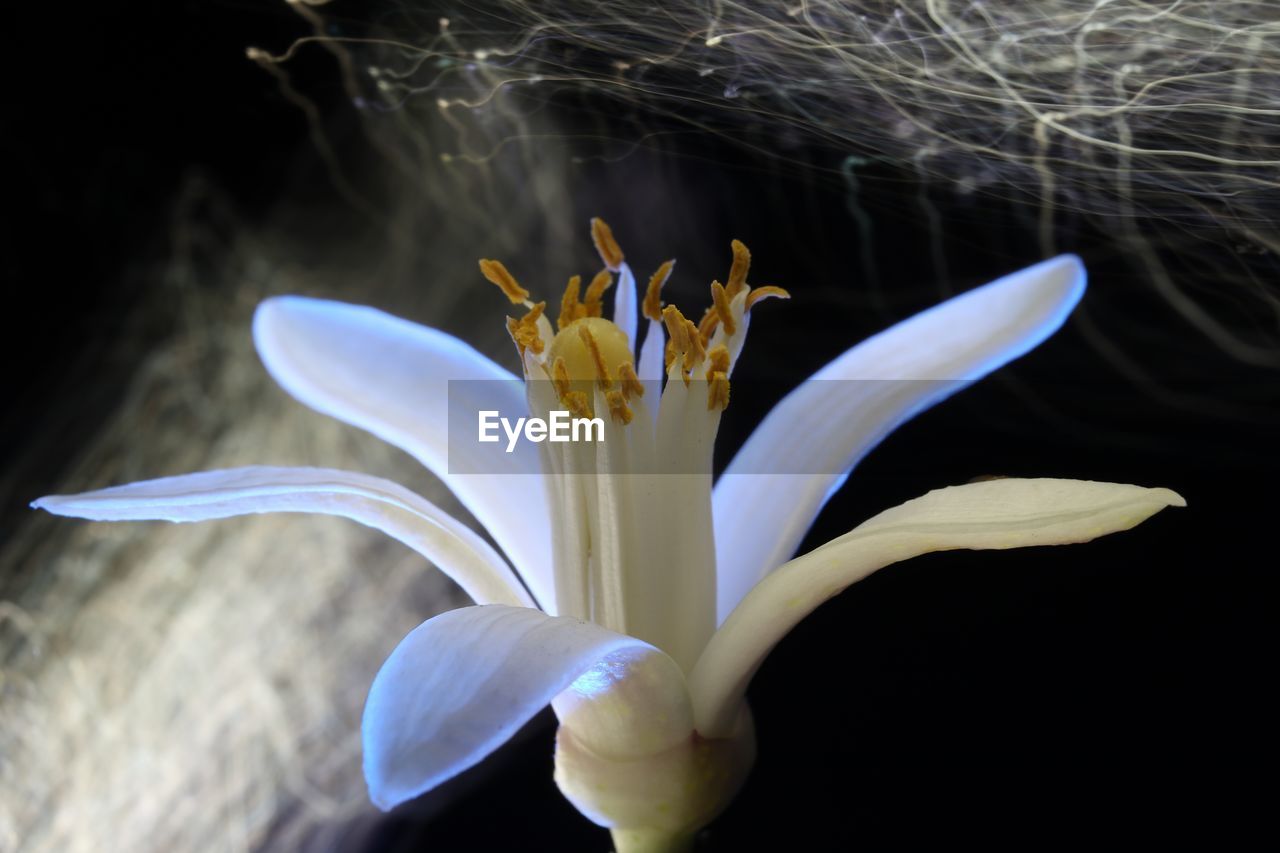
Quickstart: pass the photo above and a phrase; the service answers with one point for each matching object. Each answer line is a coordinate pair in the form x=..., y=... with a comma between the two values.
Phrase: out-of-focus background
x=199, y=687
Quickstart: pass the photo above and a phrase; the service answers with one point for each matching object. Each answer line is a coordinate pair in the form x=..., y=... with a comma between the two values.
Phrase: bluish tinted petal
x=459, y=685
x=997, y=514
x=803, y=451
x=392, y=377
x=625, y=310
x=372, y=501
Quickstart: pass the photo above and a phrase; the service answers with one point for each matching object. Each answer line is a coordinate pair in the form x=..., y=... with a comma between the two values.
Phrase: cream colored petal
x=998, y=514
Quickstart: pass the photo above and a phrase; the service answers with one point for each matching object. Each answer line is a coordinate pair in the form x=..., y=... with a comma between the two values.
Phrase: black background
x=1107, y=692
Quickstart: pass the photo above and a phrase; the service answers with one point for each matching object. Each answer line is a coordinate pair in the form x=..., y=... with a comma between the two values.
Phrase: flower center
x=632, y=544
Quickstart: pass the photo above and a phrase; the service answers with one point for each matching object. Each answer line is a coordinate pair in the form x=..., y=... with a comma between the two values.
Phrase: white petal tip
x=64, y=505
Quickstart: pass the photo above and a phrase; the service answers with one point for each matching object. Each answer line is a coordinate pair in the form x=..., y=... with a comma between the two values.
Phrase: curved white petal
x=459, y=685
x=374, y=502
x=997, y=514
x=392, y=378
x=625, y=310
x=803, y=451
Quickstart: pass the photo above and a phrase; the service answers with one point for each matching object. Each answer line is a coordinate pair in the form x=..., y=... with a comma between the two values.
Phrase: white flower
x=659, y=595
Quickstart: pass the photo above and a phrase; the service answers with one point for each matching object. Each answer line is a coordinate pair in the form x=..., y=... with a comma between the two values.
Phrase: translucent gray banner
x=813, y=428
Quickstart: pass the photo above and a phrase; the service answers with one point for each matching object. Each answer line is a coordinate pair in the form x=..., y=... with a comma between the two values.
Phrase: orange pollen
x=618, y=407
x=593, y=301
x=697, y=352
x=717, y=391
x=719, y=361
x=738, y=272
x=602, y=236
x=570, y=307
x=525, y=330
x=506, y=282
x=677, y=329
x=576, y=403
x=652, y=307
x=720, y=300
x=560, y=378
x=631, y=384
x=707, y=325
x=757, y=294
x=602, y=372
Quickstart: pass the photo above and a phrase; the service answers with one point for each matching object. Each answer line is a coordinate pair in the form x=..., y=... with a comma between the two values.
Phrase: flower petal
x=459, y=685
x=625, y=310
x=803, y=451
x=392, y=378
x=995, y=514
x=374, y=502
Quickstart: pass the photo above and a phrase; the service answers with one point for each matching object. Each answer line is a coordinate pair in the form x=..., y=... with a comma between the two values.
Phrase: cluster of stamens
x=578, y=357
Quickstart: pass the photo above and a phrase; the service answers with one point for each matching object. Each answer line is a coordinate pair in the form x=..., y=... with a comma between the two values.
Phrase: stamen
x=602, y=372
x=560, y=378
x=677, y=331
x=768, y=291
x=720, y=299
x=618, y=407
x=570, y=307
x=738, y=272
x=576, y=403
x=707, y=325
x=631, y=384
x=717, y=392
x=499, y=275
x=652, y=306
x=697, y=352
x=593, y=302
x=525, y=330
x=719, y=360
x=602, y=236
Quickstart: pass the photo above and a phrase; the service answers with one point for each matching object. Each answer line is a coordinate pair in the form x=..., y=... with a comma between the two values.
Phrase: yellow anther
x=570, y=307
x=677, y=329
x=525, y=330
x=757, y=294
x=718, y=361
x=593, y=303
x=593, y=349
x=631, y=384
x=696, y=352
x=577, y=404
x=501, y=276
x=560, y=378
x=720, y=300
x=652, y=306
x=738, y=272
x=717, y=391
x=707, y=325
x=618, y=407
x=602, y=236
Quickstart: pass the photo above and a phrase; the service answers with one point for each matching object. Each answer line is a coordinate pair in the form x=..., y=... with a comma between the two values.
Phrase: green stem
x=650, y=841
